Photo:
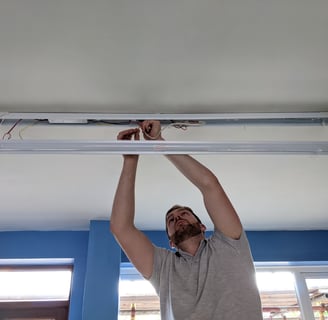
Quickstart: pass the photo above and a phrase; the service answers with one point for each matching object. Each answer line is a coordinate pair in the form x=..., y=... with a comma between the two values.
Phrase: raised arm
x=218, y=205
x=135, y=244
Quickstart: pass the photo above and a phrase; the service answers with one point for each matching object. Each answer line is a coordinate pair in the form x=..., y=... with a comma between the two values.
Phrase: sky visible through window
x=23, y=285
x=266, y=281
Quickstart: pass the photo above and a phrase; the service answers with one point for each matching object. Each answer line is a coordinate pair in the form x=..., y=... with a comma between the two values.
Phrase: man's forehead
x=178, y=209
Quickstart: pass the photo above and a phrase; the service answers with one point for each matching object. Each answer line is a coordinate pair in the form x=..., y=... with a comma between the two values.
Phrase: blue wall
x=97, y=259
x=273, y=246
x=102, y=276
x=296, y=246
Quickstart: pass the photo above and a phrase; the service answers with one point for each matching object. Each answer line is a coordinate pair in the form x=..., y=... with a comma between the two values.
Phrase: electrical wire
x=8, y=133
x=183, y=125
x=110, y=122
x=27, y=127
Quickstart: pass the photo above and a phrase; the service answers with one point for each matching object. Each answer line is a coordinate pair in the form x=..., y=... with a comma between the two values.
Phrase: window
x=138, y=294
x=288, y=292
x=317, y=287
x=34, y=291
x=278, y=295
x=135, y=291
x=309, y=281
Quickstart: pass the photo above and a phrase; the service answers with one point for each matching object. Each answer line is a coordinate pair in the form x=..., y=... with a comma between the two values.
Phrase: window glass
x=34, y=285
x=318, y=293
x=140, y=295
x=278, y=296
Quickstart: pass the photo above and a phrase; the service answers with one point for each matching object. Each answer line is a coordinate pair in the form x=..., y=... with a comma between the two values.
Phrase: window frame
x=301, y=271
x=52, y=309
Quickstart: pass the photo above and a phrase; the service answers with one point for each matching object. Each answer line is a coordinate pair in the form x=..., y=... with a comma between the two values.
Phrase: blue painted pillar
x=101, y=298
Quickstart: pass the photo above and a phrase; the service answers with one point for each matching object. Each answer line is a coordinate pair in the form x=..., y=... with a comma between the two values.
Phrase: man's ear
x=202, y=227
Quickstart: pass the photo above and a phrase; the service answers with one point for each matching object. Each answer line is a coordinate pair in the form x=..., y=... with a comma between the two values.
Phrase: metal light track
x=211, y=117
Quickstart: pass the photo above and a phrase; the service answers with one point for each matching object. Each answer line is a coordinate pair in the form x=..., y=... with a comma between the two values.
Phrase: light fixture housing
x=167, y=147
x=209, y=118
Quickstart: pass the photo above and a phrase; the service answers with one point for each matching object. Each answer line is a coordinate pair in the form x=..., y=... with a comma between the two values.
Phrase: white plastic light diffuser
x=161, y=147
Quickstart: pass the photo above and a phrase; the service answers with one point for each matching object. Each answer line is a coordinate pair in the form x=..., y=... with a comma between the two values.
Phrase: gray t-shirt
x=218, y=283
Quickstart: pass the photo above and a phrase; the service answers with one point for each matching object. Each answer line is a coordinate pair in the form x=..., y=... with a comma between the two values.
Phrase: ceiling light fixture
x=290, y=117
x=162, y=147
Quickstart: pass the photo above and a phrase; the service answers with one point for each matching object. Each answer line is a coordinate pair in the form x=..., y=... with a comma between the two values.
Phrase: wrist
x=130, y=158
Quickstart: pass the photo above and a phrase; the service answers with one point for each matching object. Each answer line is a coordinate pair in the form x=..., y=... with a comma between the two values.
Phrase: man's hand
x=151, y=129
x=129, y=134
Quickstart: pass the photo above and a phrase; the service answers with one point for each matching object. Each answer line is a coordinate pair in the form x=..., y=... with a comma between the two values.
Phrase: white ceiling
x=152, y=56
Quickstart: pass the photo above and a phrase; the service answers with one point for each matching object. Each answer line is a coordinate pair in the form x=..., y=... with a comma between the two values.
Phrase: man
x=205, y=279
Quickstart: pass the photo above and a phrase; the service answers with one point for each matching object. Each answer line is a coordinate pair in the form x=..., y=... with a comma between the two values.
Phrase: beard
x=185, y=232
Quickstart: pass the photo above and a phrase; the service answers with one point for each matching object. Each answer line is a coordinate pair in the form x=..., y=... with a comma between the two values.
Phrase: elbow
x=115, y=226
x=119, y=229
x=115, y=229
x=210, y=182
x=111, y=227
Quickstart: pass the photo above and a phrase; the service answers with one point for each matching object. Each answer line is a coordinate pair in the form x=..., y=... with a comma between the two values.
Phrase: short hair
x=177, y=206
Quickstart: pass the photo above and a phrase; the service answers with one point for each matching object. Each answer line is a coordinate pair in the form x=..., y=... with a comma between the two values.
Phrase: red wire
x=8, y=133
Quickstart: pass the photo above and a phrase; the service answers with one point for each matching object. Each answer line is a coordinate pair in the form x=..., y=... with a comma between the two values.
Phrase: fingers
x=146, y=126
x=137, y=135
x=129, y=134
x=151, y=129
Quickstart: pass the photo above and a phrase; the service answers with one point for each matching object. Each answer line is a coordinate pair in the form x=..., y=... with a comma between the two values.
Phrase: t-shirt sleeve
x=160, y=257
x=240, y=244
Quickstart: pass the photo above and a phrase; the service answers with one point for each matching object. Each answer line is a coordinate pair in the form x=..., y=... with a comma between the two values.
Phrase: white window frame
x=29, y=309
x=301, y=271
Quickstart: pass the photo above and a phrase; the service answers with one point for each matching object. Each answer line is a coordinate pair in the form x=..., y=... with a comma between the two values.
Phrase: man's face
x=182, y=224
